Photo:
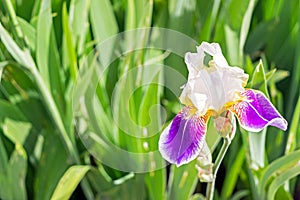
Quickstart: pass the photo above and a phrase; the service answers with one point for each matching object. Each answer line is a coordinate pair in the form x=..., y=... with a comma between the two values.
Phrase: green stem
x=211, y=185
x=10, y=10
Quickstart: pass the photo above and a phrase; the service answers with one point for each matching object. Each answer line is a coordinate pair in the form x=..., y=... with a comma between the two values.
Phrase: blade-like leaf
x=278, y=166
x=232, y=175
x=69, y=44
x=44, y=24
x=16, y=131
x=102, y=11
x=23, y=57
x=69, y=182
x=18, y=170
x=293, y=138
x=281, y=179
x=48, y=174
x=78, y=17
x=29, y=33
x=5, y=192
x=182, y=181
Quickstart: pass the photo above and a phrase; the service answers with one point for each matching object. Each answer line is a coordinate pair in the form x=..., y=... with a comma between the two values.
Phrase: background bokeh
x=84, y=80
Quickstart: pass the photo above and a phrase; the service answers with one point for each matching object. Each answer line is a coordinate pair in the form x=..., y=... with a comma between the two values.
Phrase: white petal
x=194, y=62
x=211, y=87
x=212, y=49
x=215, y=51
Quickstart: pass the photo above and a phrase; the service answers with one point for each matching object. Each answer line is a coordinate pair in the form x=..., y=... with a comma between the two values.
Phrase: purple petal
x=182, y=140
x=256, y=112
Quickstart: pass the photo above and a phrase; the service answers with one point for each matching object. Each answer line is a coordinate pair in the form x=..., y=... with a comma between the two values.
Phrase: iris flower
x=213, y=88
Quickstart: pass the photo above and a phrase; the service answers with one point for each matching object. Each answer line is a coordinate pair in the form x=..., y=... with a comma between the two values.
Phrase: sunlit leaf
x=16, y=131
x=69, y=182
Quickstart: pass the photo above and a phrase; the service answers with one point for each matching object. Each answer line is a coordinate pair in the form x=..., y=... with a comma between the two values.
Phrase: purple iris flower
x=213, y=88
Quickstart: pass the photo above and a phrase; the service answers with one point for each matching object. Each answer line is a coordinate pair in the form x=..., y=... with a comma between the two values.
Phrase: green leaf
x=13, y=173
x=5, y=192
x=101, y=183
x=260, y=36
x=232, y=175
x=23, y=57
x=2, y=65
x=69, y=182
x=246, y=25
x=20, y=91
x=18, y=169
x=78, y=17
x=99, y=11
x=197, y=197
x=9, y=110
x=156, y=184
x=259, y=81
x=281, y=42
x=280, y=165
x=134, y=188
x=293, y=138
x=232, y=44
x=180, y=14
x=182, y=181
x=295, y=82
x=15, y=28
x=208, y=12
x=283, y=194
x=138, y=15
x=29, y=33
x=55, y=73
x=44, y=24
x=214, y=137
x=232, y=28
x=150, y=99
x=47, y=173
x=277, y=75
x=69, y=43
x=240, y=195
x=281, y=179
x=16, y=131
x=102, y=11
x=150, y=117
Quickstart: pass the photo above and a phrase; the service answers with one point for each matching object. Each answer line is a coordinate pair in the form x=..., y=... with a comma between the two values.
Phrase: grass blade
x=15, y=24
x=103, y=21
x=18, y=170
x=182, y=181
x=278, y=166
x=293, y=138
x=29, y=33
x=47, y=174
x=69, y=44
x=16, y=131
x=44, y=24
x=232, y=175
x=5, y=192
x=23, y=57
x=281, y=179
x=69, y=182
x=78, y=17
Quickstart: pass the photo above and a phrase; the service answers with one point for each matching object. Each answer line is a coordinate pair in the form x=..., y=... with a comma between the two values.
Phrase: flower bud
x=204, y=165
x=226, y=125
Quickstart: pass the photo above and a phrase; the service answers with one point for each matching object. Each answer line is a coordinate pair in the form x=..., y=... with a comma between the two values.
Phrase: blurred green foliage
x=46, y=48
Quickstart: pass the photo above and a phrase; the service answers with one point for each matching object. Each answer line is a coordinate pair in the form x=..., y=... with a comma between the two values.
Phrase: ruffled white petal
x=211, y=87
